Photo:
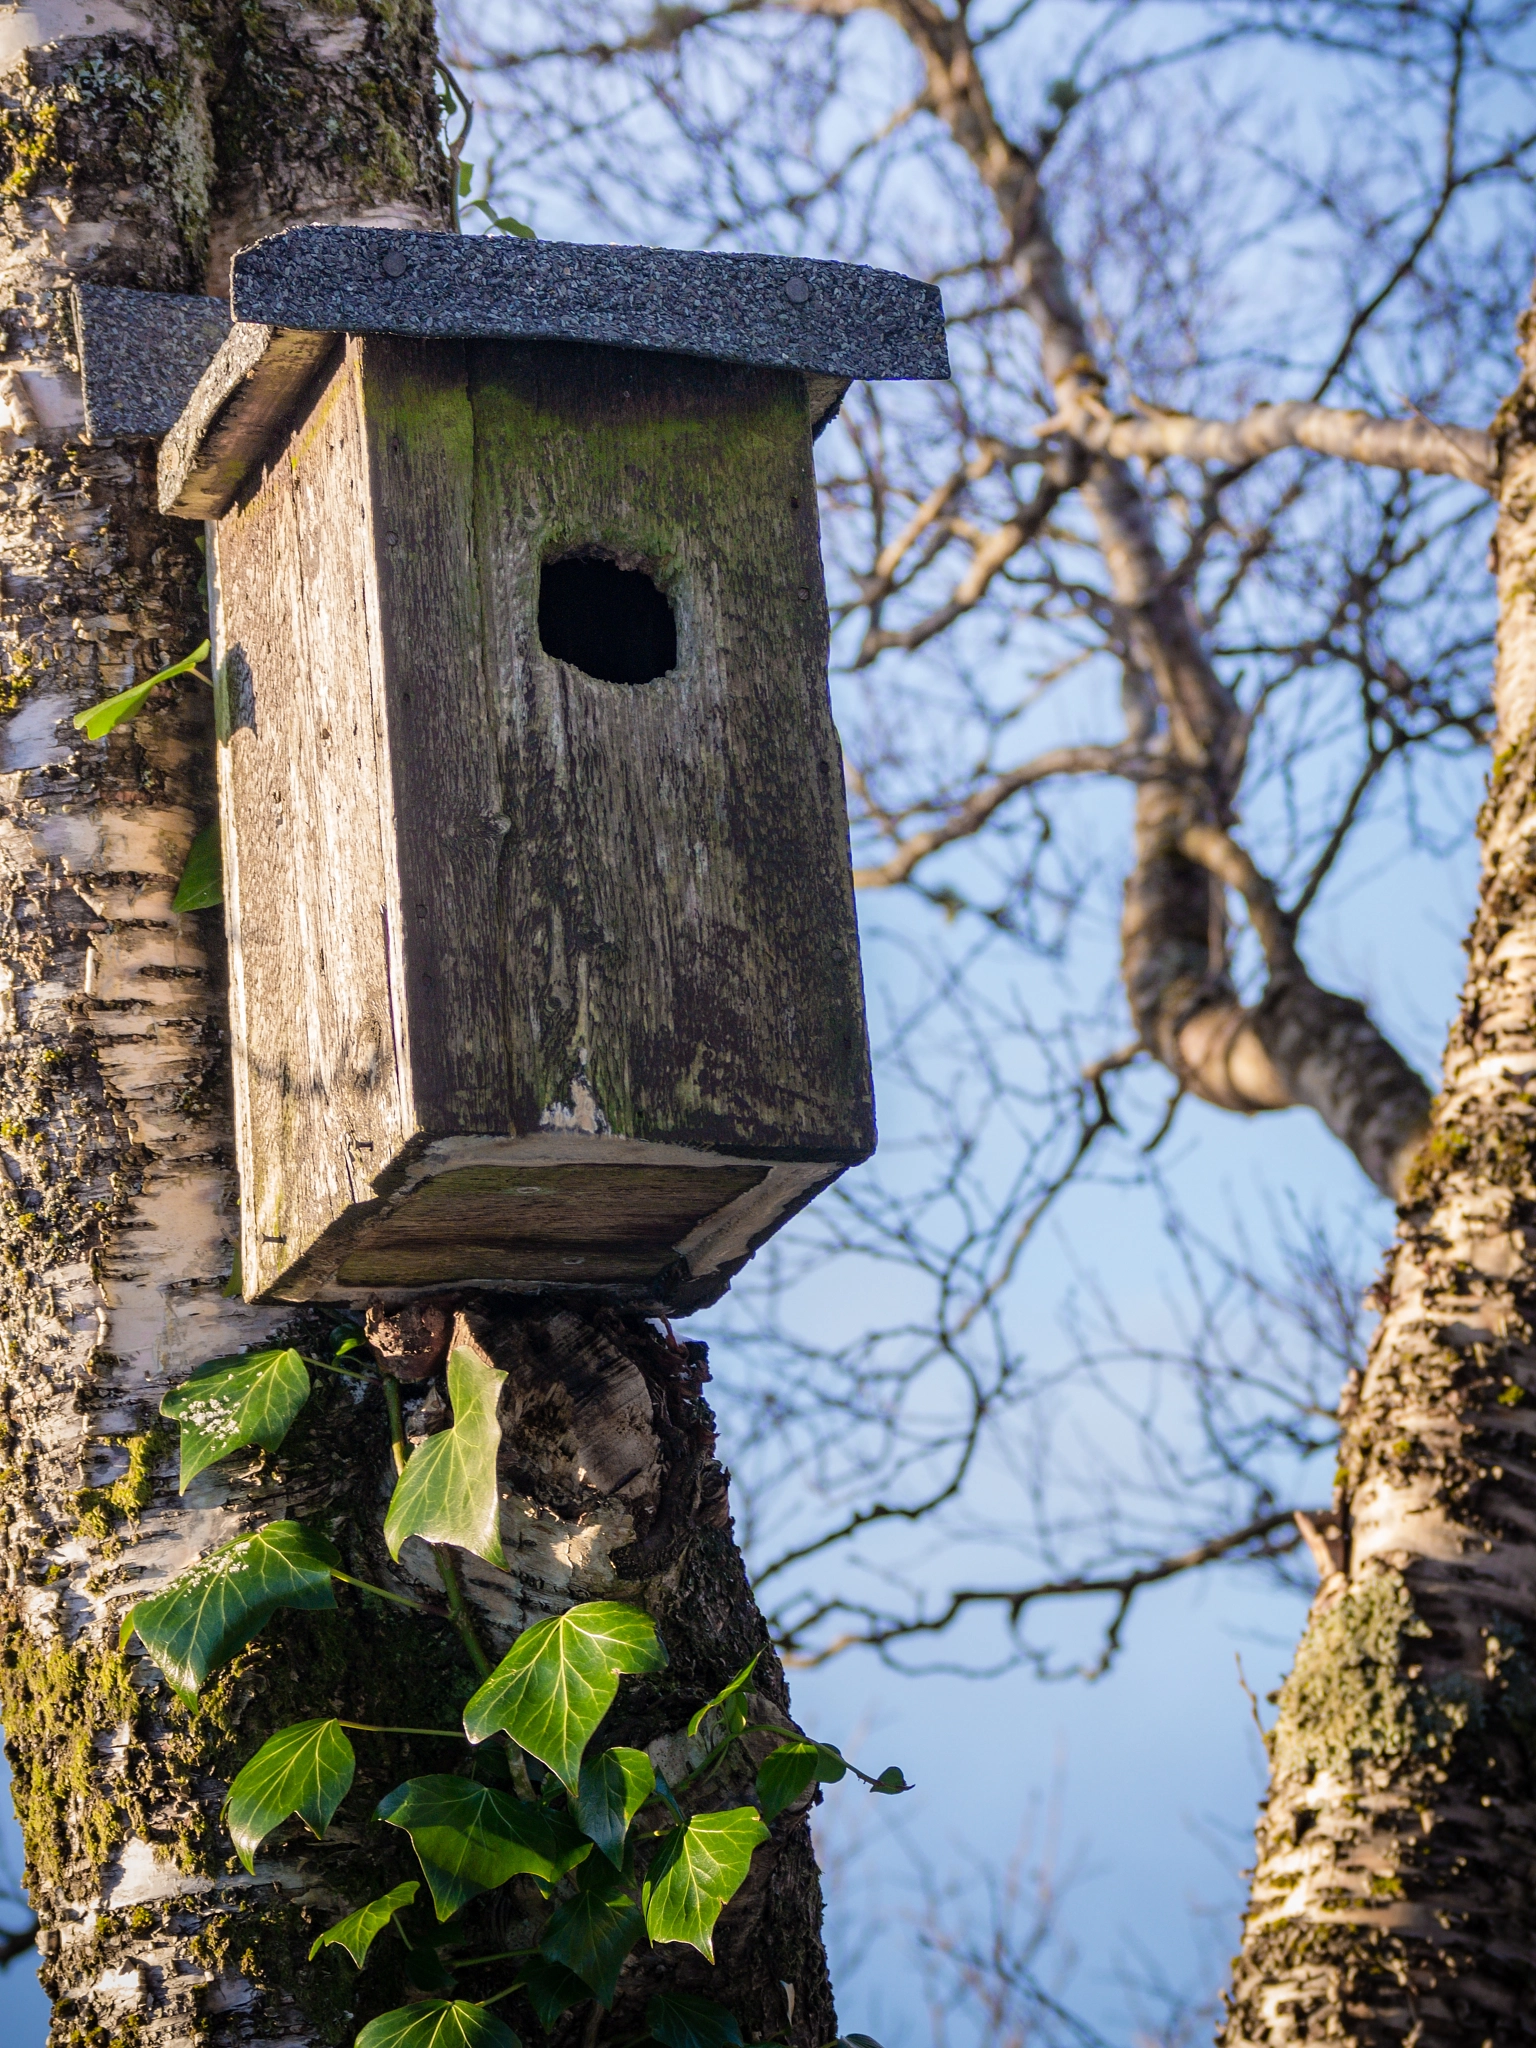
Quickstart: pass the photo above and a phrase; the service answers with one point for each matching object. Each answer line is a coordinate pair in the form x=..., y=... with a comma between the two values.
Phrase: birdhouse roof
x=839, y=319
x=163, y=364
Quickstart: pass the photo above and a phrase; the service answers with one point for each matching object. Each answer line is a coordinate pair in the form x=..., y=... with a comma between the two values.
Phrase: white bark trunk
x=1396, y=1872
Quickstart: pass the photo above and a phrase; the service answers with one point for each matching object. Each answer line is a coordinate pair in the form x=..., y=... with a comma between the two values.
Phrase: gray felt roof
x=841, y=319
x=142, y=354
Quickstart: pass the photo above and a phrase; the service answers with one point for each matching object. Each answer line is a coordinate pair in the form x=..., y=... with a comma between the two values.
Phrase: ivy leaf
x=677, y=2019
x=202, y=879
x=99, y=719
x=306, y=1769
x=730, y=1702
x=612, y=1790
x=700, y=1869
x=213, y=1609
x=559, y=1678
x=440, y=2023
x=357, y=1932
x=592, y=1932
x=447, y=1492
x=425, y=1970
x=891, y=1780
x=664, y=1794
x=232, y=1402
x=470, y=1838
x=508, y=223
x=787, y=1771
x=552, y=1989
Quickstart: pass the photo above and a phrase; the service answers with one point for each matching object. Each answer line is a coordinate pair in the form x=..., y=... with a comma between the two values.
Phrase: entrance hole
x=609, y=622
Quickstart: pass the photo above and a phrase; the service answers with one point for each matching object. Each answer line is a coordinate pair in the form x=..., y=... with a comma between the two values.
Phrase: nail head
x=394, y=264
x=797, y=291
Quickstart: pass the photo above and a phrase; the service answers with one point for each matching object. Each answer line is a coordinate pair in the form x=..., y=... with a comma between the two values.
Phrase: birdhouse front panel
x=544, y=961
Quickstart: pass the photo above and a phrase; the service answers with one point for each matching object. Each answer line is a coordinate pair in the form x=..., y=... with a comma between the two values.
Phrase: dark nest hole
x=609, y=622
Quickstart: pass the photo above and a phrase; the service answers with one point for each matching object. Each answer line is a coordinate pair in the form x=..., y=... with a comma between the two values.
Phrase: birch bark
x=1396, y=1872
x=141, y=145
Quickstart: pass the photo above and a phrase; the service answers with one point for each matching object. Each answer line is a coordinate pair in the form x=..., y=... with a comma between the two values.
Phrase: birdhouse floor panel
x=579, y=1223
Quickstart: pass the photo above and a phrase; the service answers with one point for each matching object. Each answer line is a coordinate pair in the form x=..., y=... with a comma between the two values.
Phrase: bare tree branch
x=969, y=817
x=1155, y=435
x=880, y=1630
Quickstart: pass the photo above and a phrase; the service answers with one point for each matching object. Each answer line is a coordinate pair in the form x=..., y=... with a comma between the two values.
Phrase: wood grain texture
x=307, y=840
x=676, y=876
x=476, y=892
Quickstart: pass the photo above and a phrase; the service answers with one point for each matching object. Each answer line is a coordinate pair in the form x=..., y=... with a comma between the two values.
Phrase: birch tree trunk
x=141, y=148
x=1394, y=1898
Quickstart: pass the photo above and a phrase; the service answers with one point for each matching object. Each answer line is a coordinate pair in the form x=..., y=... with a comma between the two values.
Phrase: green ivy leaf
x=306, y=1769
x=202, y=879
x=424, y=1970
x=731, y=1703
x=213, y=1609
x=559, y=1678
x=508, y=223
x=891, y=1780
x=99, y=719
x=699, y=1871
x=592, y=1932
x=440, y=2023
x=357, y=1932
x=447, y=1492
x=787, y=1771
x=232, y=1402
x=470, y=1838
x=551, y=1989
x=612, y=1789
x=677, y=2019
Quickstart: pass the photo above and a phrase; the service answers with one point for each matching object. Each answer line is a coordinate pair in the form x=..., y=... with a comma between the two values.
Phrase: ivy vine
x=615, y=1855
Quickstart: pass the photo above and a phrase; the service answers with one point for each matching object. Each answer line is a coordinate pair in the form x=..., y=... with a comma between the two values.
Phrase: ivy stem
x=458, y=1612
x=374, y=1728
x=400, y=1599
x=397, y=1440
x=346, y=1371
x=507, y=1955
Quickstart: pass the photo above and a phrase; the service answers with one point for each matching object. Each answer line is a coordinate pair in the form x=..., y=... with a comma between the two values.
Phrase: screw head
x=797, y=291
x=394, y=263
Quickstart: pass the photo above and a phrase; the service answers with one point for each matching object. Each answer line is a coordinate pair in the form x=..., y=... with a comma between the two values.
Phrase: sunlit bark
x=1392, y=1899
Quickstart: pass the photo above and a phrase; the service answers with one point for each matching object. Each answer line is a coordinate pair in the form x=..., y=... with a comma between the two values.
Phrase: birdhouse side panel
x=449, y=816
x=310, y=891
x=681, y=944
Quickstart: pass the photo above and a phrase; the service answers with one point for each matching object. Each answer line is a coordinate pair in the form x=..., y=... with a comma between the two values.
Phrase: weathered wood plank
x=305, y=803
x=677, y=885
x=449, y=818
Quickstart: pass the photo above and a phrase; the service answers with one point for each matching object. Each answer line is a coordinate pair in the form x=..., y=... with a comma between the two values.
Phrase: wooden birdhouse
x=544, y=969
